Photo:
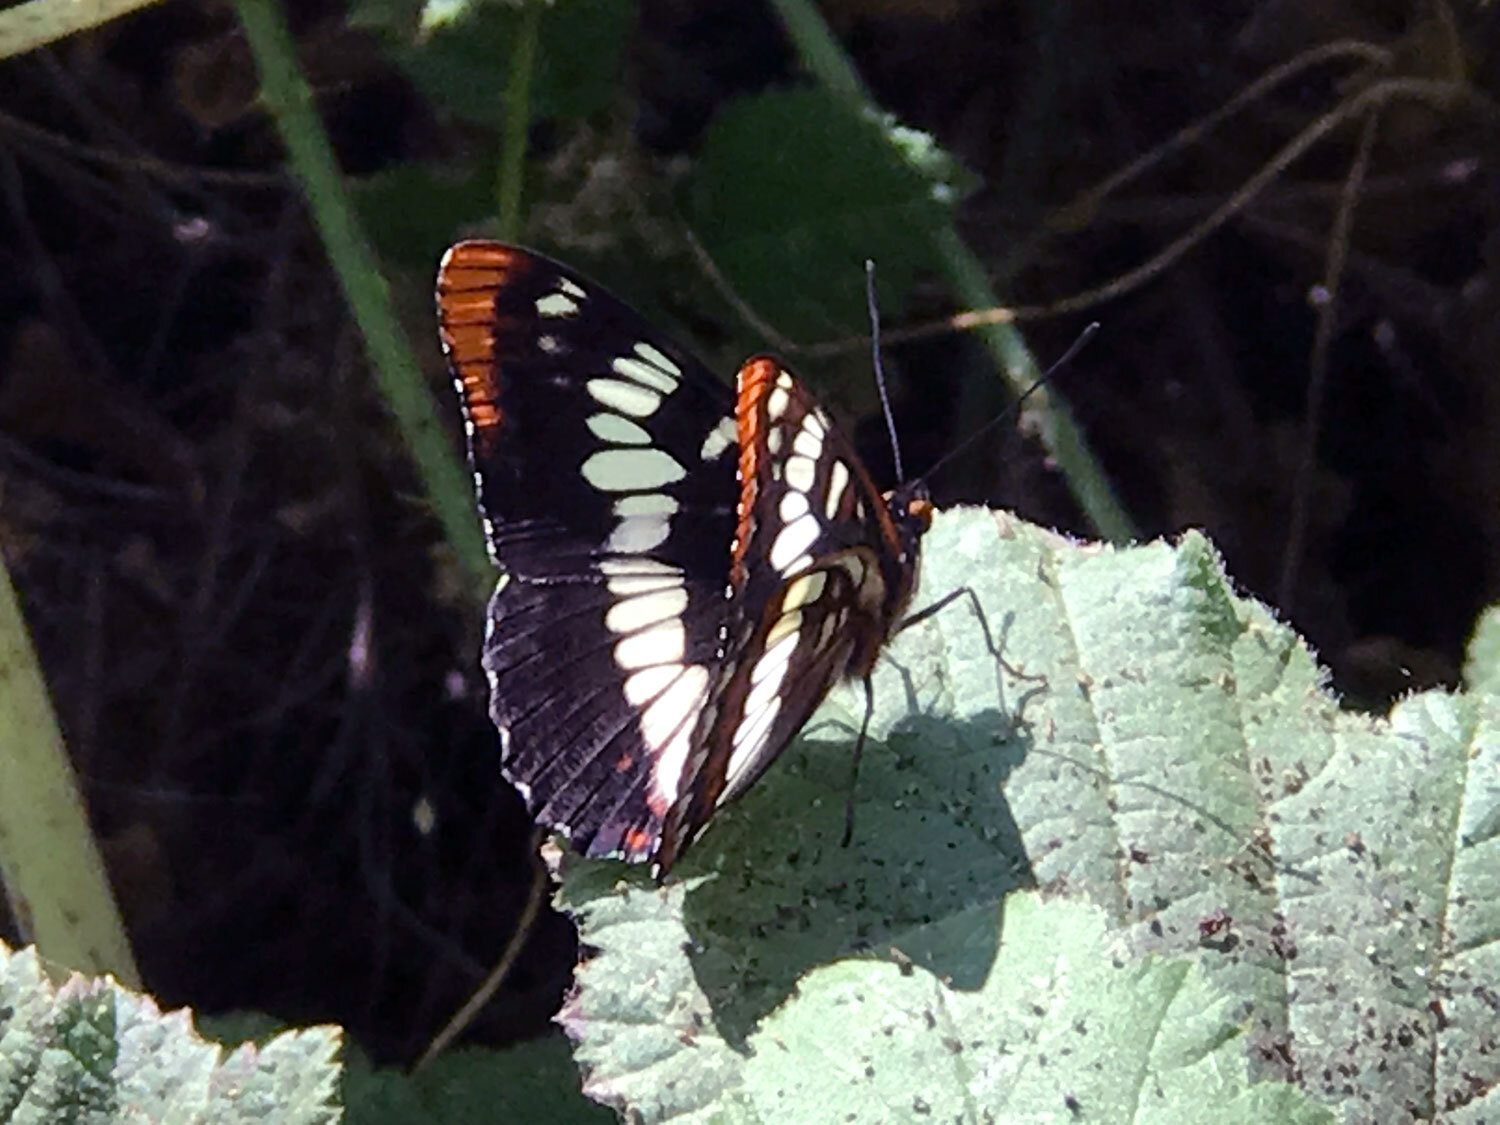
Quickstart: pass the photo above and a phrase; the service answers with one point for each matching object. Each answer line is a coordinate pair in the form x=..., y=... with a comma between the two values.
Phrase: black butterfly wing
x=605, y=463
x=574, y=408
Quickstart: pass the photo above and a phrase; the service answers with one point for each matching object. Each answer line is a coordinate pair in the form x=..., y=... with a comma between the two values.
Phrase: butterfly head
x=911, y=510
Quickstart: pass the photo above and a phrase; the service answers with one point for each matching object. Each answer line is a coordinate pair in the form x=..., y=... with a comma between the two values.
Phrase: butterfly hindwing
x=595, y=747
x=818, y=577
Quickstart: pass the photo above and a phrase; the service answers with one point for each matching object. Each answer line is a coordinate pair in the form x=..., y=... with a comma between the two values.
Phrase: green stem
x=820, y=51
x=824, y=58
x=53, y=874
x=286, y=95
x=516, y=127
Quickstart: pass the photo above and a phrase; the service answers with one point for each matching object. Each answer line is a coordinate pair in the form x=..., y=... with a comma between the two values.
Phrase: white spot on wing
x=627, y=577
x=755, y=727
x=807, y=443
x=648, y=683
x=646, y=504
x=555, y=305
x=643, y=372
x=793, y=506
x=614, y=428
x=571, y=288
x=549, y=345
x=720, y=438
x=801, y=473
x=627, y=398
x=657, y=358
x=667, y=727
x=631, y=470
x=775, y=660
x=777, y=402
x=631, y=615
x=838, y=480
x=808, y=588
x=662, y=643
x=786, y=625
x=792, y=543
x=634, y=534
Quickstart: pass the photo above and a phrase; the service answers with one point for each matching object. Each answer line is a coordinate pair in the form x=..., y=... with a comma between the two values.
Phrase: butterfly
x=687, y=568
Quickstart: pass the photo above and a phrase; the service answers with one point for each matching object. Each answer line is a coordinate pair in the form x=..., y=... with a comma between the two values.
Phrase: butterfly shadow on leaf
x=935, y=849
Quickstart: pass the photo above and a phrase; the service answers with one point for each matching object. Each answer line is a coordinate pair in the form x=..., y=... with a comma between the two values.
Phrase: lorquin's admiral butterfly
x=689, y=569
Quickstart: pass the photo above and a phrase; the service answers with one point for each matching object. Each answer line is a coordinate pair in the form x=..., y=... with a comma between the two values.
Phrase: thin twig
x=1375, y=95
x=486, y=990
x=758, y=323
x=1087, y=201
x=1317, y=385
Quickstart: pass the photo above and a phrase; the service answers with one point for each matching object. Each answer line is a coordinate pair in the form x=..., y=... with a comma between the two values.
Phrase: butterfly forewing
x=605, y=464
x=589, y=435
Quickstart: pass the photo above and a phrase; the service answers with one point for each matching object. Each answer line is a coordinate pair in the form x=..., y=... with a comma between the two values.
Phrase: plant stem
x=1059, y=432
x=823, y=56
x=287, y=96
x=50, y=865
x=515, y=131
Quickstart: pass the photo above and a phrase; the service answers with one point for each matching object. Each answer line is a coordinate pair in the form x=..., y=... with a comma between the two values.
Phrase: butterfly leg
x=989, y=641
x=859, y=749
x=914, y=619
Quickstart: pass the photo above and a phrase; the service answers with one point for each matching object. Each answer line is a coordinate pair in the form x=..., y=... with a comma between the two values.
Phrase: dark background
x=264, y=657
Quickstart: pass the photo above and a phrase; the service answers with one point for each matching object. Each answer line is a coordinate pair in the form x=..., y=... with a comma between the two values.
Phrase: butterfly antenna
x=1067, y=357
x=885, y=399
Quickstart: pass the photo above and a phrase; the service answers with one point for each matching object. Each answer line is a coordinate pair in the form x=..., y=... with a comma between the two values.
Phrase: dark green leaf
x=462, y=64
x=795, y=189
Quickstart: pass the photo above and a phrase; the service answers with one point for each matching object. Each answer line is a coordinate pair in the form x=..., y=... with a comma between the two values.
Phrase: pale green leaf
x=1163, y=759
x=90, y=1051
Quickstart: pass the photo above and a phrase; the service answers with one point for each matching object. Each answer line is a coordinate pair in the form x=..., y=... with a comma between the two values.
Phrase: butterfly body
x=689, y=568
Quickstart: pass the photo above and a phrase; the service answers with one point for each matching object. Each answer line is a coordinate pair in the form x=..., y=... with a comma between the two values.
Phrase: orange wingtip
x=470, y=276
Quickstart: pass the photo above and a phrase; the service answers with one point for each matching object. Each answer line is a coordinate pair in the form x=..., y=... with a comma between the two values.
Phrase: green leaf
x=411, y=210
x=1243, y=884
x=92, y=1051
x=534, y=1081
x=460, y=64
x=795, y=189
